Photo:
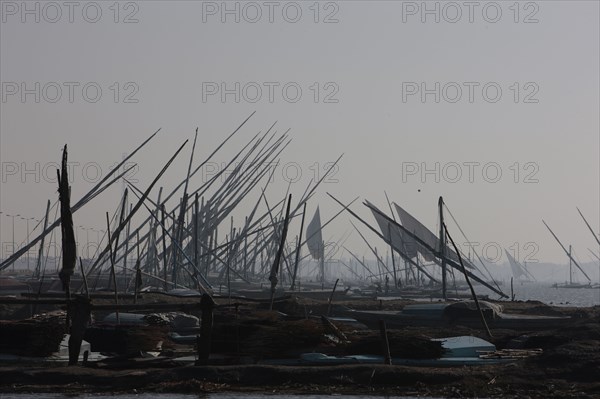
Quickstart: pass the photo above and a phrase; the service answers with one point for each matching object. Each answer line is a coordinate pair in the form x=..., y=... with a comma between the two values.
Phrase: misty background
x=407, y=91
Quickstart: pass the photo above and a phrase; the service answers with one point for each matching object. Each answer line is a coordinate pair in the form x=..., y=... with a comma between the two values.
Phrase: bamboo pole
x=392, y=253
x=112, y=265
x=41, y=250
x=449, y=261
x=85, y=283
x=97, y=189
x=140, y=201
x=298, y=248
x=487, y=330
x=331, y=297
x=164, y=245
x=385, y=343
x=567, y=252
x=275, y=267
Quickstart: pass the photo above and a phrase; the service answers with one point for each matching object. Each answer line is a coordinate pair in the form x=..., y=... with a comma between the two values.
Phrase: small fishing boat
x=459, y=313
x=459, y=351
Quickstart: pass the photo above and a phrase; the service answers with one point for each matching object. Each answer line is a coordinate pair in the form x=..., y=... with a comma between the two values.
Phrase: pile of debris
x=39, y=336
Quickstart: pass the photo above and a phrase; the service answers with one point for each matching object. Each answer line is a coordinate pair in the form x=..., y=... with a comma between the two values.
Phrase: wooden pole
x=117, y=236
x=322, y=264
x=469, y=283
x=298, y=248
x=69, y=246
x=331, y=297
x=393, y=261
x=512, y=292
x=570, y=266
x=155, y=262
x=589, y=227
x=80, y=309
x=164, y=245
x=128, y=229
x=86, y=198
x=85, y=283
x=275, y=268
x=442, y=240
x=204, y=339
x=195, y=232
x=41, y=251
x=138, y=273
x=245, y=260
x=140, y=202
x=385, y=343
x=112, y=265
x=567, y=252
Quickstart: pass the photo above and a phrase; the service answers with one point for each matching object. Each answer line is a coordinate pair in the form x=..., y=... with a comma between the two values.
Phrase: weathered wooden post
x=275, y=267
x=203, y=343
x=80, y=309
x=512, y=291
x=385, y=343
x=331, y=297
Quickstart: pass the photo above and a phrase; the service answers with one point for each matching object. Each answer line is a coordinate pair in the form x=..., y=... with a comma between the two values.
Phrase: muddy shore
x=568, y=368
x=520, y=380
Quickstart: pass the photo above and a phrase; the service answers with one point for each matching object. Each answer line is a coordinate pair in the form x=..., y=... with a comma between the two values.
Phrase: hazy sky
x=493, y=105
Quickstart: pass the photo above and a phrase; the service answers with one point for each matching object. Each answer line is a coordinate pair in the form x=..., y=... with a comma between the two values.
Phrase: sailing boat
x=572, y=262
x=572, y=284
x=428, y=245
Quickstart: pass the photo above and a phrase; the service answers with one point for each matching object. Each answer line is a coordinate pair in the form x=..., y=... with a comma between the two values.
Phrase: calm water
x=199, y=396
x=550, y=295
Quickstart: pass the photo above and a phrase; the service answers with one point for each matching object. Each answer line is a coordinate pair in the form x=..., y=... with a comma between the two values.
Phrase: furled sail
x=314, y=238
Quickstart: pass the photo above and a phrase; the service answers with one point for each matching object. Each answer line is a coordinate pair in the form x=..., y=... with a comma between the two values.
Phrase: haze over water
x=198, y=396
x=579, y=297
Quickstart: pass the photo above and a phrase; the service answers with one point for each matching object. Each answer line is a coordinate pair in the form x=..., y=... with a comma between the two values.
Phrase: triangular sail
x=398, y=238
x=314, y=237
x=516, y=267
x=418, y=229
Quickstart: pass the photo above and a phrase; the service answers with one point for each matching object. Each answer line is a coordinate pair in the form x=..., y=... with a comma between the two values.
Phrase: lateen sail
x=398, y=238
x=517, y=269
x=314, y=238
x=418, y=229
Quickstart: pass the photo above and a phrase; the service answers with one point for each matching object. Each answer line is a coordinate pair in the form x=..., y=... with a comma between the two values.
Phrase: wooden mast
x=442, y=246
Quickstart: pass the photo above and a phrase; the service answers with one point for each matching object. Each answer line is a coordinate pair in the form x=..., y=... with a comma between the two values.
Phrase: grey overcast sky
x=493, y=105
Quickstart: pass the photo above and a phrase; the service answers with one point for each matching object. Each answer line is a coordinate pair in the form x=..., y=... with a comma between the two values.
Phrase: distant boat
x=518, y=270
x=460, y=313
x=572, y=261
x=572, y=284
